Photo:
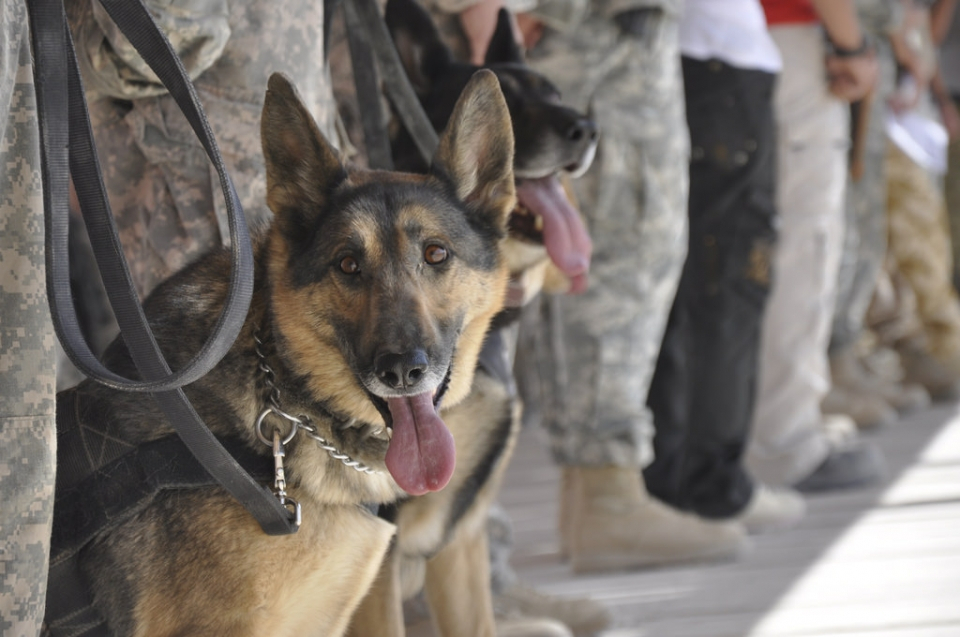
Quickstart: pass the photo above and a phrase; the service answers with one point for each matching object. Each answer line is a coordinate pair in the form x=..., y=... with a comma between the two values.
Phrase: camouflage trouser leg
x=920, y=243
x=603, y=344
x=865, y=242
x=27, y=356
x=500, y=538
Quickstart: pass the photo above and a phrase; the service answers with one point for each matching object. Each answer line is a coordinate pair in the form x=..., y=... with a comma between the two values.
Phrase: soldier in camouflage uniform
x=164, y=192
x=634, y=201
x=27, y=356
x=865, y=239
x=619, y=60
x=866, y=398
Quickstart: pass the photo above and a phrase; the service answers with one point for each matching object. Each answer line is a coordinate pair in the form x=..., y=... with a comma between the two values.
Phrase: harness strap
x=89, y=502
x=494, y=359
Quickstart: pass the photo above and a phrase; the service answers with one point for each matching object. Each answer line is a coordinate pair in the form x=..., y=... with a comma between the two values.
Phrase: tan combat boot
x=531, y=627
x=614, y=524
x=581, y=615
x=869, y=411
x=850, y=374
x=851, y=395
x=941, y=379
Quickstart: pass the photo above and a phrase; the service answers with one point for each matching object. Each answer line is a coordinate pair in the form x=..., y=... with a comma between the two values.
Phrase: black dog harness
x=102, y=483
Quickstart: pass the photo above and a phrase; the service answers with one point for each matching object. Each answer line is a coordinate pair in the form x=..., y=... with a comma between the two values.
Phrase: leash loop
x=295, y=423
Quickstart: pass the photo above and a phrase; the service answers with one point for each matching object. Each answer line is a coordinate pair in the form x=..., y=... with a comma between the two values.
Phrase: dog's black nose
x=401, y=371
x=583, y=130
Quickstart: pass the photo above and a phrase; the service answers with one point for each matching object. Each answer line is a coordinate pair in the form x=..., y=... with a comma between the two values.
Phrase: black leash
x=366, y=79
x=66, y=139
x=67, y=148
x=366, y=29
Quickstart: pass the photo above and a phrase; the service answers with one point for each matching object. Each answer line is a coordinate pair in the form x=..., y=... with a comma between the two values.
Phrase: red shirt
x=789, y=12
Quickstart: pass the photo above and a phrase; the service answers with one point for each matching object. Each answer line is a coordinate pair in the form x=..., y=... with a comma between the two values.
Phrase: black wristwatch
x=866, y=47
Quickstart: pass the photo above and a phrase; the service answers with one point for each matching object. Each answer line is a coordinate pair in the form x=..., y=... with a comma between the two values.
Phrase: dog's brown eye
x=349, y=265
x=435, y=254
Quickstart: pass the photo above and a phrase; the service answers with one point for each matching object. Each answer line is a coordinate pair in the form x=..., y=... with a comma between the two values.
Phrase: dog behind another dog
x=441, y=545
x=372, y=295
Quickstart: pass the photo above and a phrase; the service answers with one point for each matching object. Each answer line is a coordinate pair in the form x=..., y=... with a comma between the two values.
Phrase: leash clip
x=280, y=480
x=277, y=444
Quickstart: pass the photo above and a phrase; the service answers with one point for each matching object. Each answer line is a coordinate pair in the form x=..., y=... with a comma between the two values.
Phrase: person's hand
x=950, y=117
x=531, y=29
x=852, y=77
x=638, y=23
x=907, y=96
x=478, y=22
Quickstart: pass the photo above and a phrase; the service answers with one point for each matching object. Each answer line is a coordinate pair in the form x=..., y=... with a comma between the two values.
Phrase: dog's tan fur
x=195, y=562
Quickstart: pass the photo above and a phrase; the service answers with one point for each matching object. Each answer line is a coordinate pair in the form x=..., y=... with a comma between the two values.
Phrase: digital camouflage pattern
x=600, y=347
x=865, y=239
x=567, y=15
x=879, y=17
x=27, y=355
x=164, y=192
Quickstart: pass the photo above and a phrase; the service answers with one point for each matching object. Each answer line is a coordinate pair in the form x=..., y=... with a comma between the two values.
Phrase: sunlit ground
x=881, y=562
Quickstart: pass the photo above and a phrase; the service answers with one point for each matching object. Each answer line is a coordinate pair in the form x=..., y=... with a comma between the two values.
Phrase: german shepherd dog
x=441, y=545
x=373, y=291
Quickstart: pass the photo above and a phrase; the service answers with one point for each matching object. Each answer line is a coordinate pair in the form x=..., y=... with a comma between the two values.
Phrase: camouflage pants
x=865, y=239
x=163, y=190
x=920, y=244
x=600, y=347
x=812, y=130
x=27, y=356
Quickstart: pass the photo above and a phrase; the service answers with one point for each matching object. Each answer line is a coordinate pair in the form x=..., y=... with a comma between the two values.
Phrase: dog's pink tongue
x=564, y=235
x=421, y=455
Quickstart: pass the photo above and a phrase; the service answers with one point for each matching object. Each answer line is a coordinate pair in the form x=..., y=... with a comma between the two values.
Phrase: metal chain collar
x=297, y=423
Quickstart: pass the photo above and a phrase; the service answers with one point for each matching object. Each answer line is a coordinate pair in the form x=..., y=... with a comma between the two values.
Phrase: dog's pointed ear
x=423, y=54
x=503, y=47
x=475, y=153
x=302, y=167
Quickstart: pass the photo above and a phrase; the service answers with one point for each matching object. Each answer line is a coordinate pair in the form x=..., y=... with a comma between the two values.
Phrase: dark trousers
x=703, y=389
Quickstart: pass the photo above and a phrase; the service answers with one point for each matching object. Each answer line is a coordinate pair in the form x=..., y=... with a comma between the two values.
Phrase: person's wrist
x=864, y=48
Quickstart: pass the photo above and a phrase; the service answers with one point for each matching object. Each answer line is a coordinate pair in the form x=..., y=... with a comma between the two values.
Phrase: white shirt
x=734, y=31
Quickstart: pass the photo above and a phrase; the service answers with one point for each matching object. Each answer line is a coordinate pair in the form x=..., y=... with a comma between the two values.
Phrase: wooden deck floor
x=881, y=562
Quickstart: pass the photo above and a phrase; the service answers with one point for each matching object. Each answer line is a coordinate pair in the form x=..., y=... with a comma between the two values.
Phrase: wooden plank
x=880, y=562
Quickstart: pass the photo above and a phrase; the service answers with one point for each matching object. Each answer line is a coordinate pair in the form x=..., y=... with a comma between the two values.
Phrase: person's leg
x=951, y=185
x=870, y=400
x=602, y=345
x=789, y=441
x=27, y=353
x=919, y=242
x=633, y=200
x=702, y=393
